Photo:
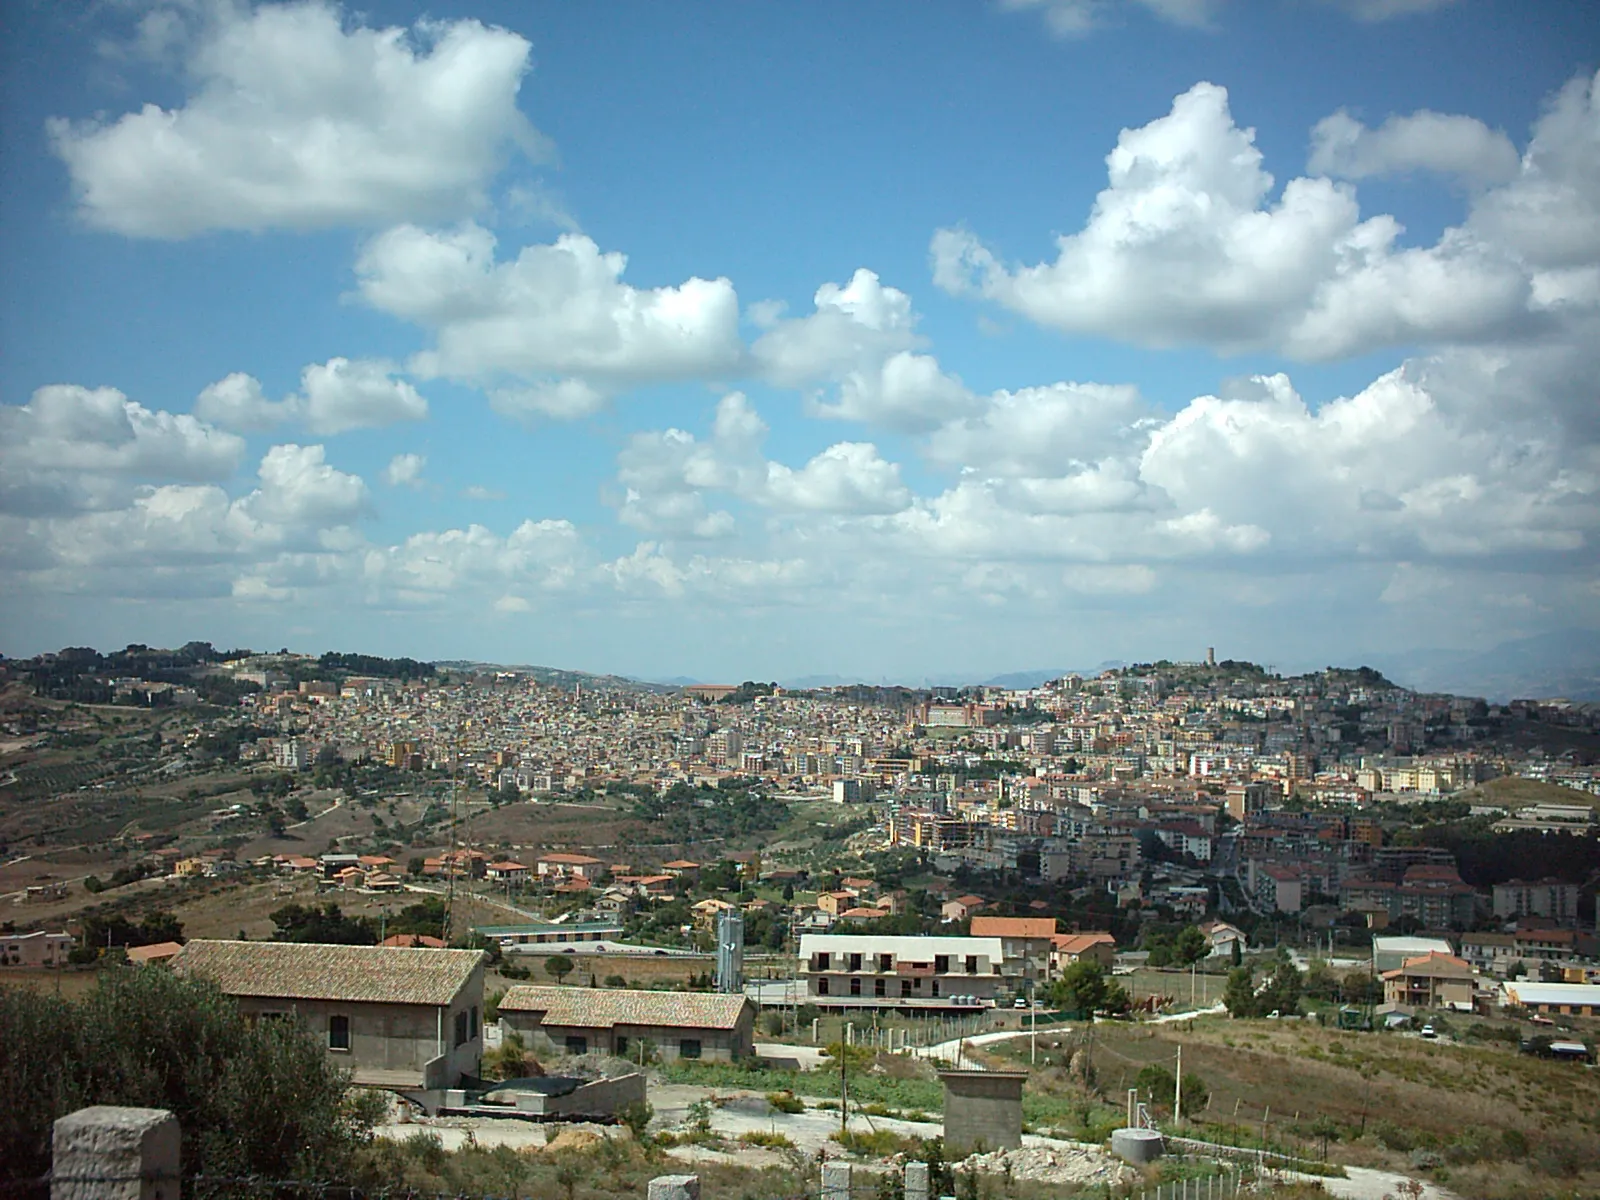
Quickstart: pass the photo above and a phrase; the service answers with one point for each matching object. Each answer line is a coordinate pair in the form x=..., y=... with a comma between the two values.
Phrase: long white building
x=846, y=970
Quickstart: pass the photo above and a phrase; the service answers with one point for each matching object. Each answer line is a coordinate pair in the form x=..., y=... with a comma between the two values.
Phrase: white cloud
x=477, y=491
x=299, y=487
x=73, y=447
x=848, y=477
x=1075, y=18
x=1550, y=214
x=861, y=338
x=557, y=316
x=238, y=402
x=541, y=555
x=1373, y=11
x=335, y=397
x=1184, y=247
x=665, y=475
x=1038, y=431
x=405, y=470
x=295, y=121
x=343, y=394
x=1422, y=141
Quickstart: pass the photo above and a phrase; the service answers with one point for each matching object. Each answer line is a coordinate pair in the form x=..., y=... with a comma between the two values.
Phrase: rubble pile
x=1052, y=1164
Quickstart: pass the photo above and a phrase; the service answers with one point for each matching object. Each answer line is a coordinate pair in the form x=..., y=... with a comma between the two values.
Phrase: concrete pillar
x=835, y=1181
x=674, y=1187
x=112, y=1153
x=916, y=1181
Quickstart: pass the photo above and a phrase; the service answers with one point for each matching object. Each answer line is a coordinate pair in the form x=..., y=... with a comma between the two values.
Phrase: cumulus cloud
x=237, y=401
x=557, y=316
x=74, y=447
x=665, y=475
x=295, y=120
x=543, y=555
x=861, y=339
x=1185, y=247
x=1550, y=213
x=299, y=487
x=405, y=470
x=342, y=394
x=848, y=477
x=335, y=397
x=1422, y=141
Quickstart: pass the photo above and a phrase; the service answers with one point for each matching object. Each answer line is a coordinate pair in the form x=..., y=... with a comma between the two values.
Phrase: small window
x=689, y=1048
x=935, y=987
x=879, y=987
x=822, y=960
x=474, y=1014
x=855, y=962
x=622, y=1045
x=885, y=962
x=905, y=988
x=461, y=1029
x=855, y=986
x=577, y=1045
x=822, y=986
x=972, y=964
x=941, y=964
x=338, y=1033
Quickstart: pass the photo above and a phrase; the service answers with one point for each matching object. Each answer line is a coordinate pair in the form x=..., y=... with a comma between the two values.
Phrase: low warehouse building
x=1554, y=999
x=618, y=1021
x=407, y=1019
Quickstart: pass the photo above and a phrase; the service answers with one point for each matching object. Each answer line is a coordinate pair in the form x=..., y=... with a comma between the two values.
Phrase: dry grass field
x=1478, y=1116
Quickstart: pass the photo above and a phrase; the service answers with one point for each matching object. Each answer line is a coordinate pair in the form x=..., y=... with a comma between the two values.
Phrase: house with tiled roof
x=407, y=1019
x=621, y=1021
x=1068, y=948
x=1026, y=942
x=1431, y=980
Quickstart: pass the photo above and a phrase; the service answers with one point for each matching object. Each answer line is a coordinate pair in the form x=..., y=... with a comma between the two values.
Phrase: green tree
x=1238, y=953
x=1240, y=993
x=1320, y=982
x=1282, y=993
x=327, y=924
x=257, y=1099
x=558, y=966
x=1081, y=988
x=1190, y=946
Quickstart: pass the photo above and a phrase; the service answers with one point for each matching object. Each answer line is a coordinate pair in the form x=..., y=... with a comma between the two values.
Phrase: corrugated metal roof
x=602, y=1008
x=309, y=971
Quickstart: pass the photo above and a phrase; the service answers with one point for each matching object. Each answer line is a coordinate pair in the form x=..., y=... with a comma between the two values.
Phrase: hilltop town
x=895, y=866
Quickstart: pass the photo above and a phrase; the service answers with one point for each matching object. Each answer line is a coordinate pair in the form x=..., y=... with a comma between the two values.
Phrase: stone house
x=409, y=1019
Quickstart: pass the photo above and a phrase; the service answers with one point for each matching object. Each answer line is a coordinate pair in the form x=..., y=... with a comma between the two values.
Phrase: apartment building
x=1547, y=898
x=845, y=971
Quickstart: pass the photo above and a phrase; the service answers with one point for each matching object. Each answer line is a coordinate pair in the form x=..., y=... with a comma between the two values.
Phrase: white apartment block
x=843, y=971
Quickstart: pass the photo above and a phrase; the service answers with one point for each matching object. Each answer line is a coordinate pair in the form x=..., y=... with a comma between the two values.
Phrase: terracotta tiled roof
x=300, y=971
x=602, y=1008
x=1016, y=927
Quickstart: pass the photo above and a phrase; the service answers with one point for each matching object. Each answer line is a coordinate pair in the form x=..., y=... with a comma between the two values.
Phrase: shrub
x=257, y=1099
x=877, y=1143
x=771, y=1140
x=786, y=1102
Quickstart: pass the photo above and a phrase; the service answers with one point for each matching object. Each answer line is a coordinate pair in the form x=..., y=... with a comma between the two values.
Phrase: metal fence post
x=111, y=1153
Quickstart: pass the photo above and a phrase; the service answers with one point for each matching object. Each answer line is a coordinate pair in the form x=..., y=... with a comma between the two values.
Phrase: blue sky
x=952, y=337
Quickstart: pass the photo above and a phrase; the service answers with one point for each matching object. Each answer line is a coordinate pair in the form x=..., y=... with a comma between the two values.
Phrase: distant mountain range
x=1564, y=663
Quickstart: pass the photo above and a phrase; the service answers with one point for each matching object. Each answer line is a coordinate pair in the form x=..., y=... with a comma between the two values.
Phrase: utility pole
x=844, y=1091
